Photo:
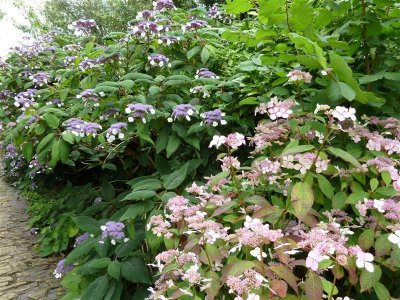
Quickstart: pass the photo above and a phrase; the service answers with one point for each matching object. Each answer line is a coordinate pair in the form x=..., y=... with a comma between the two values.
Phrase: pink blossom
x=299, y=76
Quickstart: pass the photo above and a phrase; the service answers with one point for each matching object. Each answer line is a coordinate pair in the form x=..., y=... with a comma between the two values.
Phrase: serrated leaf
x=302, y=198
x=313, y=287
x=114, y=269
x=345, y=156
x=369, y=279
x=134, y=270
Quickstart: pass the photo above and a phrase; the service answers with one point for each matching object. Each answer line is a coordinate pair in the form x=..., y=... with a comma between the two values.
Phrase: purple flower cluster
x=182, y=111
x=82, y=26
x=159, y=60
x=72, y=47
x=148, y=29
x=116, y=130
x=139, y=111
x=168, y=40
x=80, y=239
x=3, y=65
x=4, y=94
x=162, y=5
x=216, y=13
x=205, y=73
x=145, y=14
x=40, y=79
x=114, y=230
x=199, y=89
x=88, y=63
x=25, y=99
x=111, y=112
x=194, y=25
x=62, y=269
x=56, y=102
x=81, y=128
x=69, y=60
x=89, y=95
x=213, y=117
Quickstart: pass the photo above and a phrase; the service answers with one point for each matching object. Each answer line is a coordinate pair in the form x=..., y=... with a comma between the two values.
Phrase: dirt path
x=23, y=274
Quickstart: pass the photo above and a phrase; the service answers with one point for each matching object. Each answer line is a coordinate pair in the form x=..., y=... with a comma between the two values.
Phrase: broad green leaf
x=381, y=291
x=345, y=156
x=140, y=195
x=173, y=144
x=174, y=179
x=97, y=289
x=366, y=239
x=87, y=224
x=114, y=269
x=369, y=279
x=329, y=287
x=80, y=251
x=138, y=209
x=302, y=198
x=238, y=6
x=325, y=186
x=297, y=149
x=51, y=120
x=135, y=270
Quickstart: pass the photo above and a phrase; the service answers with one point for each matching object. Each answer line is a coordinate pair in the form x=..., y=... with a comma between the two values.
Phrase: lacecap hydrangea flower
x=139, y=111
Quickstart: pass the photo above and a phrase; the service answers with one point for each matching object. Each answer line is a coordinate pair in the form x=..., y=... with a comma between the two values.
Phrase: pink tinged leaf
x=286, y=274
x=302, y=198
x=313, y=287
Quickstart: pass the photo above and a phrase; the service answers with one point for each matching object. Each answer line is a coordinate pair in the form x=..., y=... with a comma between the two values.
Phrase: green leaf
x=329, y=287
x=140, y=195
x=134, y=270
x=174, y=179
x=138, y=209
x=303, y=198
x=55, y=154
x=44, y=143
x=147, y=184
x=173, y=144
x=325, y=186
x=51, y=120
x=192, y=52
x=63, y=149
x=114, y=269
x=238, y=6
x=205, y=55
x=313, y=286
x=381, y=291
x=345, y=156
x=80, y=251
x=297, y=149
x=97, y=289
x=366, y=239
x=382, y=245
x=134, y=76
x=369, y=279
x=346, y=91
x=27, y=151
x=68, y=137
x=87, y=224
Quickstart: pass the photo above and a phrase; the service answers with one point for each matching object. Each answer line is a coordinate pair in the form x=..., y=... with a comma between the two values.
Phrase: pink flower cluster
x=298, y=76
x=276, y=109
x=304, y=161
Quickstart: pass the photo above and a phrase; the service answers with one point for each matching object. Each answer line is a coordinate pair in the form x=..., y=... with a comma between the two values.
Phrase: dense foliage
x=241, y=152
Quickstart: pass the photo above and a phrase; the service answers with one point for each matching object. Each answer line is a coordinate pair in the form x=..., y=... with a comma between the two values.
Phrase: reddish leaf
x=278, y=288
x=313, y=287
x=286, y=274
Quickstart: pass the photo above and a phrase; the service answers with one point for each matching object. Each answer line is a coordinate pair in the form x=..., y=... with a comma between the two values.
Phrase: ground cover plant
x=225, y=152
